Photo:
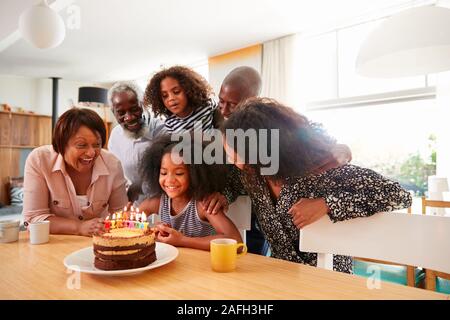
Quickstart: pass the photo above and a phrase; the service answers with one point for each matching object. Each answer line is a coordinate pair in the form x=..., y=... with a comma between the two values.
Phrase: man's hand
x=214, y=203
x=307, y=211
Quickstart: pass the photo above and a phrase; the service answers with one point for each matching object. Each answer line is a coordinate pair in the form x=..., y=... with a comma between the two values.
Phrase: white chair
x=240, y=213
x=417, y=240
x=412, y=276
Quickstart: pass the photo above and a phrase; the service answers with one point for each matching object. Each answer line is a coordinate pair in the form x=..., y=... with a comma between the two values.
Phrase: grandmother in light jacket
x=74, y=183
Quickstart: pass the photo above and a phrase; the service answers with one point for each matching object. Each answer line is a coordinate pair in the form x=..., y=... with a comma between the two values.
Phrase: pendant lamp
x=95, y=97
x=413, y=42
x=92, y=95
x=42, y=26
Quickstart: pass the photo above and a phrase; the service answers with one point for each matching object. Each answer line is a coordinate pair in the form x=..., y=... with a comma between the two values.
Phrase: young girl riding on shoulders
x=180, y=186
x=184, y=97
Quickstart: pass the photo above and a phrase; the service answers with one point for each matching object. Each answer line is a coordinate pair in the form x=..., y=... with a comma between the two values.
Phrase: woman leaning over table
x=298, y=194
x=74, y=183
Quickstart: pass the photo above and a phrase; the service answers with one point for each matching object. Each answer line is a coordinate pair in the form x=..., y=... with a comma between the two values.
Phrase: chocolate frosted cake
x=124, y=248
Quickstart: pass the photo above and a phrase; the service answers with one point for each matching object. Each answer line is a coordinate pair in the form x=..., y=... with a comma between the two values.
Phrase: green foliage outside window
x=413, y=172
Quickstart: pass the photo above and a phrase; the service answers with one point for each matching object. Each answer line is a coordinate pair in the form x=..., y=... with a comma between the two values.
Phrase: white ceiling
x=127, y=39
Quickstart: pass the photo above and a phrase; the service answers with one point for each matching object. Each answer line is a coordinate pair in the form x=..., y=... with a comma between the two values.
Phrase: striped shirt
x=200, y=118
x=187, y=221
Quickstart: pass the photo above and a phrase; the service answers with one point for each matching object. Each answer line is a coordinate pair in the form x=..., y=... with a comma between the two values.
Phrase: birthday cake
x=125, y=245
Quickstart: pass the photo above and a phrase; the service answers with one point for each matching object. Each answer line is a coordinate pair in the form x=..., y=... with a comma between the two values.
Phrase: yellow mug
x=224, y=253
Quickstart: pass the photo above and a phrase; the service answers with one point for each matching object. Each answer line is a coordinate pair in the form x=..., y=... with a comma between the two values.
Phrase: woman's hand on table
x=307, y=211
x=90, y=227
x=214, y=203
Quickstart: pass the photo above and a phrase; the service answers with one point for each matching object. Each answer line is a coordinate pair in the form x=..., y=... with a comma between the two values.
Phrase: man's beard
x=136, y=135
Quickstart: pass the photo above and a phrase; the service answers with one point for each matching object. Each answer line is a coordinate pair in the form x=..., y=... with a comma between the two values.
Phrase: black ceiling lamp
x=95, y=97
x=92, y=95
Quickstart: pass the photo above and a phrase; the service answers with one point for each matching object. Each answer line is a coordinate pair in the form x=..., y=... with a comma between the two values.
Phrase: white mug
x=39, y=231
x=9, y=231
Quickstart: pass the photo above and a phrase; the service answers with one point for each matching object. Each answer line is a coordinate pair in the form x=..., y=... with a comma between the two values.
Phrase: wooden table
x=37, y=272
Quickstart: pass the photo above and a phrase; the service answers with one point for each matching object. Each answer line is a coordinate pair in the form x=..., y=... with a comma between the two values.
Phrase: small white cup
x=39, y=231
x=9, y=231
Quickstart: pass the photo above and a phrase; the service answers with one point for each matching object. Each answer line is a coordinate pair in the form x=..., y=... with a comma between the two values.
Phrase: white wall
x=67, y=95
x=18, y=92
x=33, y=94
x=221, y=65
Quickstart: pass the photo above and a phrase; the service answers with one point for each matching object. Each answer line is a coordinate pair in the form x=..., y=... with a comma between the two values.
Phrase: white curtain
x=278, y=70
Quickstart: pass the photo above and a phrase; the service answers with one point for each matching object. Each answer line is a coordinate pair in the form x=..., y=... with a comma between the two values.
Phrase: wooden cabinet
x=19, y=134
x=21, y=130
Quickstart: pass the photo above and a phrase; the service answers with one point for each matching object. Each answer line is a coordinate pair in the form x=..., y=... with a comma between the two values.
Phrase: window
x=394, y=139
x=387, y=123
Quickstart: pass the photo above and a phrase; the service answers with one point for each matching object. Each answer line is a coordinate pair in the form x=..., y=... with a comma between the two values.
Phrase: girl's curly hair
x=197, y=89
x=204, y=178
x=303, y=145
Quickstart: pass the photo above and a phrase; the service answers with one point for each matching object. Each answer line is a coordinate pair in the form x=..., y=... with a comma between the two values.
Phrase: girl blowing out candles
x=180, y=187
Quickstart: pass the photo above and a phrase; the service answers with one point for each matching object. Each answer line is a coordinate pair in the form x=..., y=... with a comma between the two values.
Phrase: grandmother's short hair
x=69, y=123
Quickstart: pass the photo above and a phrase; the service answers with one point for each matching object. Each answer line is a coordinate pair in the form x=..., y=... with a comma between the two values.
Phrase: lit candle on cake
x=125, y=217
x=122, y=220
x=131, y=221
x=138, y=217
x=144, y=221
x=119, y=220
x=125, y=214
x=137, y=225
x=107, y=224
x=113, y=221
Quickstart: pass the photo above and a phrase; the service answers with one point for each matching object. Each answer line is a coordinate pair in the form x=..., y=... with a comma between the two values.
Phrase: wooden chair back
x=431, y=275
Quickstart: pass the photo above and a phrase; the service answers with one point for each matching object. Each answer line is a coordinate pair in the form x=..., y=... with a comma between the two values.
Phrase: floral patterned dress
x=349, y=191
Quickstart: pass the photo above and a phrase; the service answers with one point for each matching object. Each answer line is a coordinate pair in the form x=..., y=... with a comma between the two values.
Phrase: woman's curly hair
x=196, y=88
x=204, y=179
x=303, y=145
